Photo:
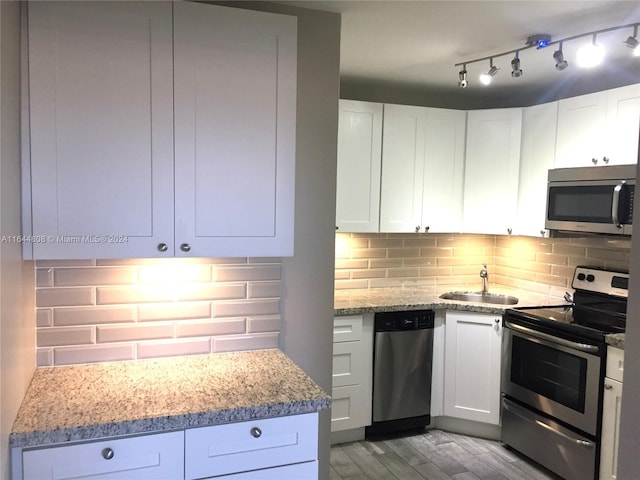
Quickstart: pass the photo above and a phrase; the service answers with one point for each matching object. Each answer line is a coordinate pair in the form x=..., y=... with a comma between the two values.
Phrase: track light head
x=558, y=56
x=590, y=55
x=463, y=83
x=516, y=71
x=632, y=42
x=486, y=77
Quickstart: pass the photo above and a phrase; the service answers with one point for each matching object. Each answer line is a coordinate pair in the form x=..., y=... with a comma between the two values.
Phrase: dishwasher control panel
x=398, y=321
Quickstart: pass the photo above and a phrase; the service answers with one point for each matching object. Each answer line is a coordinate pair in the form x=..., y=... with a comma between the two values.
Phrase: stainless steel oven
x=553, y=373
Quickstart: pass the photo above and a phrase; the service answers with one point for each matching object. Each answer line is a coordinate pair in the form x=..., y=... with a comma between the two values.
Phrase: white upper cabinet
x=101, y=114
x=599, y=128
x=491, y=170
x=105, y=81
x=235, y=110
x=422, y=169
x=359, y=162
x=536, y=158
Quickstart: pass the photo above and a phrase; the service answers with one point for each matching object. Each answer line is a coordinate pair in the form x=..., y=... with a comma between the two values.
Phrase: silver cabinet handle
x=107, y=453
x=163, y=247
x=256, y=432
x=615, y=204
x=185, y=247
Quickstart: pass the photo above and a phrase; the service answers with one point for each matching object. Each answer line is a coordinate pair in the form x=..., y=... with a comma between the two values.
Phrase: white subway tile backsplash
x=129, y=333
x=231, y=343
x=105, y=310
x=173, y=311
x=208, y=328
x=94, y=315
x=94, y=353
x=90, y=276
x=154, y=349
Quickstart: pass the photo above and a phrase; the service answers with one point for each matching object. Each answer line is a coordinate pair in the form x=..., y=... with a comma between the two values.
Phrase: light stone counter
x=354, y=302
x=90, y=401
x=616, y=340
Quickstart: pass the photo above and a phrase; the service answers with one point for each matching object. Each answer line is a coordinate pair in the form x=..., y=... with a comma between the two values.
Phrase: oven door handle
x=530, y=417
x=583, y=347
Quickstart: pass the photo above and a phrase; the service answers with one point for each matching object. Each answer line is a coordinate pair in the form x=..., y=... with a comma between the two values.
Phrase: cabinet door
x=101, y=128
x=359, y=164
x=610, y=429
x=443, y=170
x=623, y=124
x=537, y=157
x=145, y=457
x=581, y=130
x=472, y=366
x=491, y=170
x=235, y=101
x=403, y=142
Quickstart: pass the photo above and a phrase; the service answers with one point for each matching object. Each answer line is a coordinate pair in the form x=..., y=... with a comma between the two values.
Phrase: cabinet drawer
x=347, y=329
x=146, y=457
x=252, y=445
x=299, y=471
x=615, y=363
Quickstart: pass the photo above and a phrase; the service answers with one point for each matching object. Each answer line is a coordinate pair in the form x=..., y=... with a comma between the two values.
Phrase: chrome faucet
x=484, y=274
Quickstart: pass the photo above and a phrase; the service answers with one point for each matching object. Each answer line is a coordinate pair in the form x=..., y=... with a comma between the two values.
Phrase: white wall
x=17, y=323
x=629, y=449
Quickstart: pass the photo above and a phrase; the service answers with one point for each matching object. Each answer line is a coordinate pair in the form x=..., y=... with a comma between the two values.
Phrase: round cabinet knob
x=256, y=432
x=107, y=453
x=605, y=160
x=543, y=233
x=509, y=231
x=417, y=228
x=497, y=320
x=163, y=247
x=337, y=228
x=594, y=161
x=607, y=386
x=426, y=229
x=185, y=247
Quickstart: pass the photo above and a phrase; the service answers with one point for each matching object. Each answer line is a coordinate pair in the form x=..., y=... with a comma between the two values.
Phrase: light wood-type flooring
x=433, y=455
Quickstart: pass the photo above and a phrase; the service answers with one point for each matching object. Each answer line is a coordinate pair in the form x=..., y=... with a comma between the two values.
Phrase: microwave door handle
x=583, y=347
x=615, y=204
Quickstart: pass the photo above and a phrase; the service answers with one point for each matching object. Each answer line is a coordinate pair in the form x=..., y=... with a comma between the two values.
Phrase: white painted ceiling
x=395, y=45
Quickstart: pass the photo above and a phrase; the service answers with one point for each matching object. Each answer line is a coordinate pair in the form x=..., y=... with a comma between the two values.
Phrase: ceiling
x=404, y=51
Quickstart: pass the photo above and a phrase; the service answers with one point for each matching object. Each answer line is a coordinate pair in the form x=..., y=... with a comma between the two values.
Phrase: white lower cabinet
x=611, y=414
x=472, y=366
x=352, y=372
x=146, y=457
x=280, y=448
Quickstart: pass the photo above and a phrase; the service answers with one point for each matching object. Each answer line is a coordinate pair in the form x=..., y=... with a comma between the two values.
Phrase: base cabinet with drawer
x=612, y=403
x=273, y=448
x=352, y=372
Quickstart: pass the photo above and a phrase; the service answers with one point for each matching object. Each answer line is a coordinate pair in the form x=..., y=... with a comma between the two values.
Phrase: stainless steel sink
x=480, y=297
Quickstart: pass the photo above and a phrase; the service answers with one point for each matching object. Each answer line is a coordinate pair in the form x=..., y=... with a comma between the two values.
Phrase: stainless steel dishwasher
x=402, y=364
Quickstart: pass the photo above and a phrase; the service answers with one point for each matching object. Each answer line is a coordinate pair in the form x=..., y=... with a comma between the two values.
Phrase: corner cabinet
x=611, y=414
x=472, y=366
x=599, y=128
x=359, y=163
x=491, y=170
x=422, y=169
x=111, y=87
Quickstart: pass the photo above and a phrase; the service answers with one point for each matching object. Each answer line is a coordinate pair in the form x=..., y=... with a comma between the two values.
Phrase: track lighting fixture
x=632, y=42
x=486, y=77
x=588, y=56
x=558, y=56
x=463, y=83
x=516, y=71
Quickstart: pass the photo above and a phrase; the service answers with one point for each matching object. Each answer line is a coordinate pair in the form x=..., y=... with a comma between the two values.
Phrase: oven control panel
x=601, y=281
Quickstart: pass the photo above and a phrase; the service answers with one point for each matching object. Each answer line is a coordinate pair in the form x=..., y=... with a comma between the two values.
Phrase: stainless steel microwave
x=591, y=199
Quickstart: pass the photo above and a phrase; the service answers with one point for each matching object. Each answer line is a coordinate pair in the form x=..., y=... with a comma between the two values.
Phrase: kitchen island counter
x=91, y=401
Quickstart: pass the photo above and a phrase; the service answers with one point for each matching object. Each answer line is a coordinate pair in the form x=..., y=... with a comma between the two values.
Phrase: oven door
x=556, y=376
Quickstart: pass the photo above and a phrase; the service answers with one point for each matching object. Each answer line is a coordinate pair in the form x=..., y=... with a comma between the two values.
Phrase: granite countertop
x=355, y=302
x=89, y=401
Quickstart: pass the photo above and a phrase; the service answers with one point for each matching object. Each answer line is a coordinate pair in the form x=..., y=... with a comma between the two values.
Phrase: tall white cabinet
x=359, y=164
x=422, y=169
x=111, y=86
x=612, y=403
x=491, y=170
